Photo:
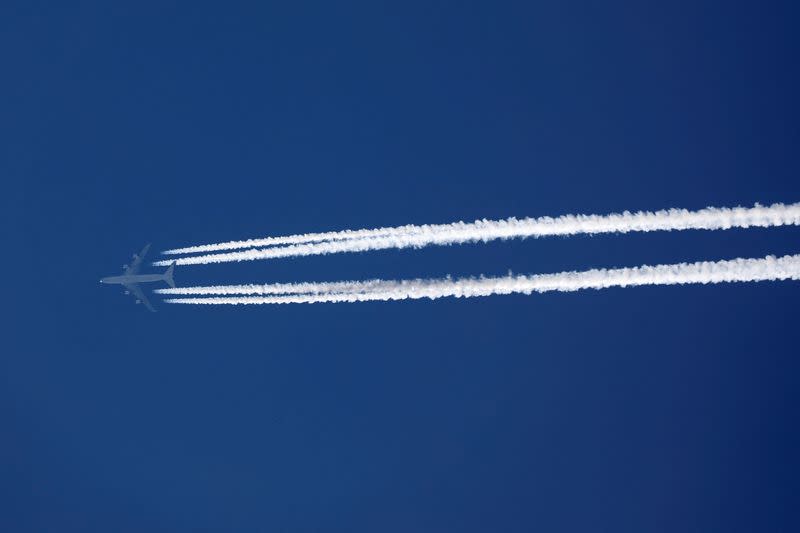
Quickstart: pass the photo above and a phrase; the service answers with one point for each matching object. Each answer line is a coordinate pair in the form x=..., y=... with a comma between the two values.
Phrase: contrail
x=604, y=226
x=299, y=239
x=768, y=268
x=485, y=230
x=284, y=288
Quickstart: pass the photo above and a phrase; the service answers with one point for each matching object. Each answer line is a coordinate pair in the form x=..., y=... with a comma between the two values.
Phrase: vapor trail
x=283, y=288
x=411, y=229
x=768, y=268
x=485, y=230
x=297, y=239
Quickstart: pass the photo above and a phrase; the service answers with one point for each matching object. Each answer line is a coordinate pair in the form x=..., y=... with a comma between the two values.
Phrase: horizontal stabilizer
x=168, y=275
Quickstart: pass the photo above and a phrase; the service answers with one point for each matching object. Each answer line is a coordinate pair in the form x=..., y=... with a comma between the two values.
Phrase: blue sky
x=656, y=409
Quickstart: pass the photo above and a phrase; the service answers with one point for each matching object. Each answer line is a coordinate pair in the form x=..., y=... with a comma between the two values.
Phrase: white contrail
x=768, y=268
x=485, y=230
x=283, y=288
x=605, y=224
x=297, y=239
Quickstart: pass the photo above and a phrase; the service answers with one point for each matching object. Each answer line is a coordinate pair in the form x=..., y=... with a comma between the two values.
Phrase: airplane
x=130, y=278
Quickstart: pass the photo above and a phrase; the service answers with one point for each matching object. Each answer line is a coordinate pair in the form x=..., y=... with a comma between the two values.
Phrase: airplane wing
x=133, y=268
x=136, y=291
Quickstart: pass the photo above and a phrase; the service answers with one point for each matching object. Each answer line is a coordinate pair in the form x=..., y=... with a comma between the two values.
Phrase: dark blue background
x=646, y=409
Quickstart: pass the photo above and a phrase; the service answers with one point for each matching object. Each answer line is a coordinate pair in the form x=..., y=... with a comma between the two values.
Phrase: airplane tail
x=168, y=275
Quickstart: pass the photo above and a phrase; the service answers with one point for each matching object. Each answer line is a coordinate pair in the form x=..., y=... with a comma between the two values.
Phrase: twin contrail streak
x=711, y=218
x=768, y=268
x=298, y=239
x=284, y=288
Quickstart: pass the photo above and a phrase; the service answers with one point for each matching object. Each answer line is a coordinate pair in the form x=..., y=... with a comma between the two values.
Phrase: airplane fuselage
x=136, y=278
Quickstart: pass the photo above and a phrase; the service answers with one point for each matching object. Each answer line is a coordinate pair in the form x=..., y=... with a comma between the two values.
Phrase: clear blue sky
x=648, y=409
